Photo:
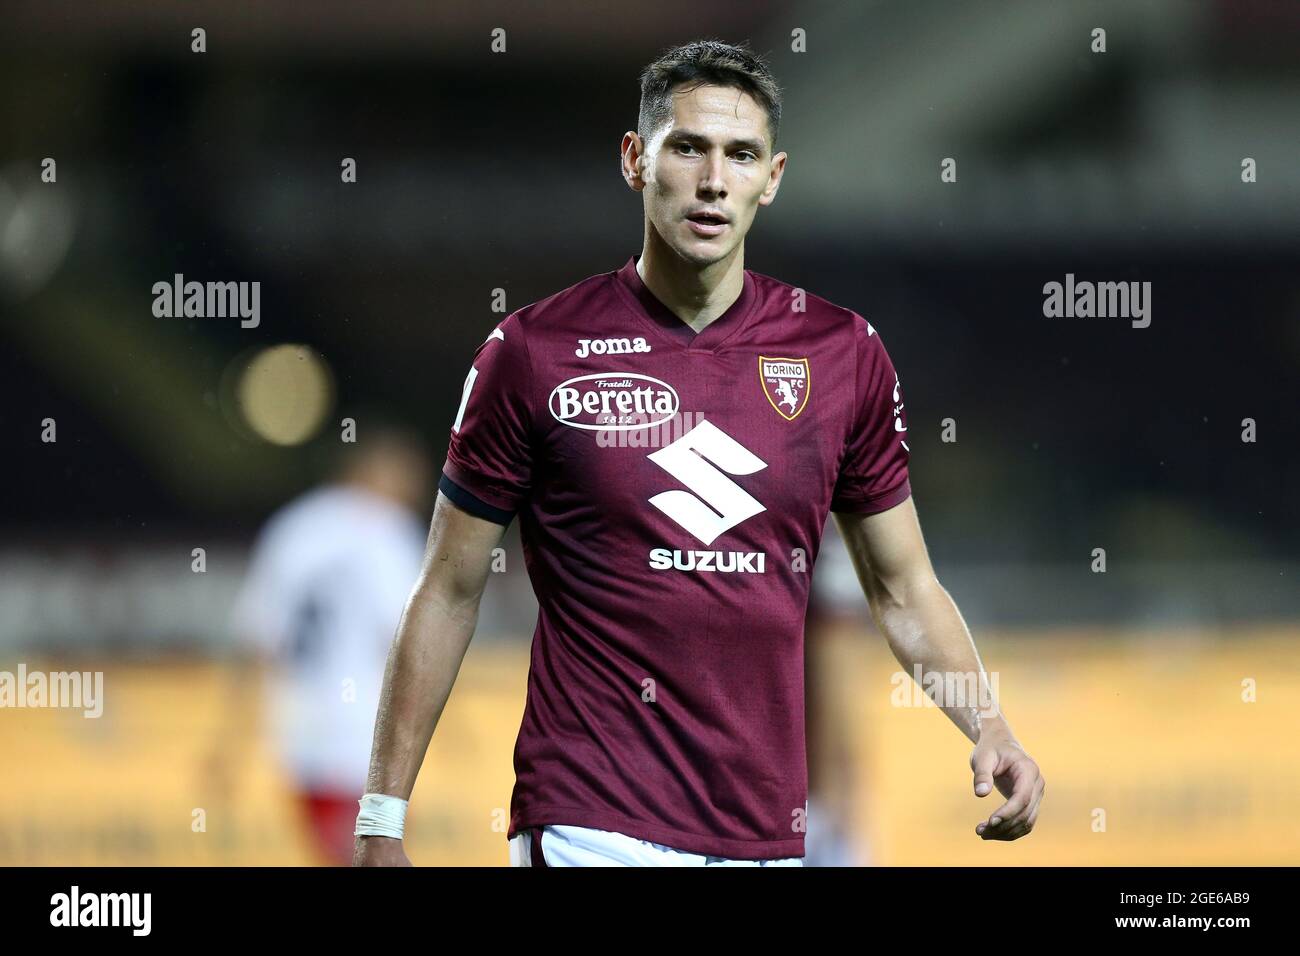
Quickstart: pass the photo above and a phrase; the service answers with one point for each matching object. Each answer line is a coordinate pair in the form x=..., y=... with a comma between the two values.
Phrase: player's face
x=707, y=171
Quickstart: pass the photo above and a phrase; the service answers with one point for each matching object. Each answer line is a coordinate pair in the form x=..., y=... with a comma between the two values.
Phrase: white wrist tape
x=381, y=815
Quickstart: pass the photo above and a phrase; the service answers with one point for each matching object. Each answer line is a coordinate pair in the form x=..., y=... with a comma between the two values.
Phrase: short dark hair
x=706, y=62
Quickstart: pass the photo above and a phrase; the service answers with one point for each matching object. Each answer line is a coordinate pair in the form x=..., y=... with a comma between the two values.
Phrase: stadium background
x=480, y=171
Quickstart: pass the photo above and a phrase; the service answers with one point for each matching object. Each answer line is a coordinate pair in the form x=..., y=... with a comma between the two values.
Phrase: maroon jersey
x=672, y=489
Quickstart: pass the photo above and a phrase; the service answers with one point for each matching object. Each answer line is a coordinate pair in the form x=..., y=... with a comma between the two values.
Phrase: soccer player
x=672, y=436
x=316, y=612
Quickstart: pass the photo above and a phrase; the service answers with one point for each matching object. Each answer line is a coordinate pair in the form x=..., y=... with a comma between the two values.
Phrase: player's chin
x=704, y=251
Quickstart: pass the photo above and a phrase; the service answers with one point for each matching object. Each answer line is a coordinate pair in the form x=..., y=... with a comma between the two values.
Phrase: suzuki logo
x=701, y=460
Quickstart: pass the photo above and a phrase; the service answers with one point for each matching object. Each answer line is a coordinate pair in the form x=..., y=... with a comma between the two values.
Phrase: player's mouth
x=707, y=222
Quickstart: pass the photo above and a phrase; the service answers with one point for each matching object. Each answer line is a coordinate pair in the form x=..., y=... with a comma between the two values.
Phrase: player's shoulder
x=303, y=509
x=339, y=518
x=295, y=526
x=570, y=305
x=826, y=317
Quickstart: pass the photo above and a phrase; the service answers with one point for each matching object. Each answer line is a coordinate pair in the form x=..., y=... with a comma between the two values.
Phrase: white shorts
x=583, y=846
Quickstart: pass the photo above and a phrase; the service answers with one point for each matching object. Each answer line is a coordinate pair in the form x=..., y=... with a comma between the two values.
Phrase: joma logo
x=610, y=346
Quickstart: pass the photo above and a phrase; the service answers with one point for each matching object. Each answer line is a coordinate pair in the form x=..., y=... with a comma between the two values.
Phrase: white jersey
x=326, y=584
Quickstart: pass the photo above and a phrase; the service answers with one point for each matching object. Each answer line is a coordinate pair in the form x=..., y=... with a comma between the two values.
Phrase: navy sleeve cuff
x=467, y=501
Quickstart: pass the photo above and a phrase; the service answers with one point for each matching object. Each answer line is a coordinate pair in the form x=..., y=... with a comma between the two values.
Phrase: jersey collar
x=651, y=311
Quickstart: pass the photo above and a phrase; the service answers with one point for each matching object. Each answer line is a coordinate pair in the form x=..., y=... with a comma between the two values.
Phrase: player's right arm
x=485, y=481
x=436, y=627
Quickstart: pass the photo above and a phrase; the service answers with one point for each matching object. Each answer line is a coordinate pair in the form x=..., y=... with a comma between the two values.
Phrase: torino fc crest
x=785, y=383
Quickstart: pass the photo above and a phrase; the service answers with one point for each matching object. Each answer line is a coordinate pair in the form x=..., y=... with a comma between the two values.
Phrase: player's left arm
x=924, y=627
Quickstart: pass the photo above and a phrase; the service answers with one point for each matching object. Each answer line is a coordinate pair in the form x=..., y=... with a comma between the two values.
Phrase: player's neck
x=696, y=296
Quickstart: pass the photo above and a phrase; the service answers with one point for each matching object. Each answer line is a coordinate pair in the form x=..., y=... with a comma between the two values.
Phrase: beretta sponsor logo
x=613, y=401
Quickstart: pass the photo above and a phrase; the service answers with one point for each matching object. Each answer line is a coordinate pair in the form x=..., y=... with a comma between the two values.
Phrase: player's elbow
x=450, y=587
x=890, y=593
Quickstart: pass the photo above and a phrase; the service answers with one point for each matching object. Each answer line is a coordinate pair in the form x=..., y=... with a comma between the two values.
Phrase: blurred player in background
x=326, y=582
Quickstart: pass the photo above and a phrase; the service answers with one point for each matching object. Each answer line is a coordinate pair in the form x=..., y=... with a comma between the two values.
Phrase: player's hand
x=998, y=759
x=379, y=851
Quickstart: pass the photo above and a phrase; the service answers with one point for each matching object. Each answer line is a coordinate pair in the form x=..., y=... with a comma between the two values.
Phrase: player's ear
x=773, y=180
x=632, y=156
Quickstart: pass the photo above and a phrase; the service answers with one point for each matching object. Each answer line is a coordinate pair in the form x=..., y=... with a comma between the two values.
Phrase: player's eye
x=745, y=152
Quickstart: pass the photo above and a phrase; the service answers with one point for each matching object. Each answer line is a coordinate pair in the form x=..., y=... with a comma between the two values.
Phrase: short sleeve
x=488, y=471
x=873, y=474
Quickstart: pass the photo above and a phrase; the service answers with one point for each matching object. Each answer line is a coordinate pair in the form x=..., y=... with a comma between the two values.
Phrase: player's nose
x=712, y=182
